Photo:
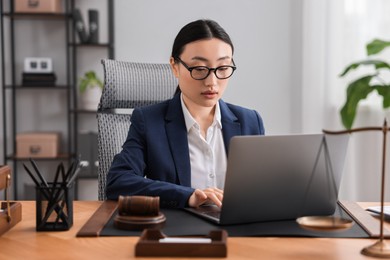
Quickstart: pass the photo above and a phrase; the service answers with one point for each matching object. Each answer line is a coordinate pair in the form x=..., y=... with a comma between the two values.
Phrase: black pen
x=76, y=172
x=59, y=169
x=54, y=185
x=39, y=173
x=31, y=175
x=65, y=176
x=45, y=194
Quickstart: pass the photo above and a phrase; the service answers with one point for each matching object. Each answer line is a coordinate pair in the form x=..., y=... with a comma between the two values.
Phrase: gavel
x=138, y=213
x=138, y=206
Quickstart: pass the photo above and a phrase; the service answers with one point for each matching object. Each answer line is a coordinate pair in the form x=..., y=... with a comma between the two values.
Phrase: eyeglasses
x=202, y=72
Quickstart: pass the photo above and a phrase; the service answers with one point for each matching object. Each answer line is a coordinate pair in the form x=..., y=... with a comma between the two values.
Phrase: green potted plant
x=360, y=88
x=90, y=87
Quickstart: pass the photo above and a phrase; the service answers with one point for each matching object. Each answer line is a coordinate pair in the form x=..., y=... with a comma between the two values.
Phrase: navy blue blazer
x=155, y=158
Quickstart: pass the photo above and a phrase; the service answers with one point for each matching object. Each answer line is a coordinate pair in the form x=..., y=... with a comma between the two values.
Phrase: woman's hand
x=209, y=195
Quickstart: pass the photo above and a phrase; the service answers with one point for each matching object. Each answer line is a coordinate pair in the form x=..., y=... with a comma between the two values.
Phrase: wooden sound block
x=139, y=222
x=150, y=245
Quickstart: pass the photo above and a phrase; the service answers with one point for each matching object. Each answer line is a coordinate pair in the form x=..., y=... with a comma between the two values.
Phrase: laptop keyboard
x=212, y=211
x=213, y=214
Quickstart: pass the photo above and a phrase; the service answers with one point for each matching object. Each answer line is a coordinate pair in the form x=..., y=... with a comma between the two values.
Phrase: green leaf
x=356, y=91
x=379, y=64
x=89, y=80
x=384, y=91
x=83, y=85
x=376, y=46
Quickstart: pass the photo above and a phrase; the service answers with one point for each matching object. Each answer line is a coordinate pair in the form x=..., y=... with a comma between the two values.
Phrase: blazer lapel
x=177, y=138
x=230, y=125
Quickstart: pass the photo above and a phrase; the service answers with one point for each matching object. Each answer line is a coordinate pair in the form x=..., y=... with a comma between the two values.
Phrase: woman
x=177, y=149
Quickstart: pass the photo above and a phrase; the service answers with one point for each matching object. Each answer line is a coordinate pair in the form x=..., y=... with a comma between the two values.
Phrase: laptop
x=281, y=177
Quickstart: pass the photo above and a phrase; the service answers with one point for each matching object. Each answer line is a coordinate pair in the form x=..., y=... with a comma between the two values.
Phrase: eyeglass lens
x=202, y=72
x=222, y=72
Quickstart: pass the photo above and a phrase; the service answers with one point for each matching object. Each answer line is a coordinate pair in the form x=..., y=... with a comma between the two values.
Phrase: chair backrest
x=127, y=85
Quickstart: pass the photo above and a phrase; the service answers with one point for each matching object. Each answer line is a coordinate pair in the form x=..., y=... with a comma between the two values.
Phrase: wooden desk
x=23, y=242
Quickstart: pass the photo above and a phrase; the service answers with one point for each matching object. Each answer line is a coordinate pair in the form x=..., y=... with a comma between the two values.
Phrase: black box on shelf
x=80, y=26
x=87, y=143
x=38, y=79
x=93, y=18
x=29, y=191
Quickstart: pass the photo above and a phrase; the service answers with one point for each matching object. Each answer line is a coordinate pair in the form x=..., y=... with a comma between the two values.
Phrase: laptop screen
x=282, y=177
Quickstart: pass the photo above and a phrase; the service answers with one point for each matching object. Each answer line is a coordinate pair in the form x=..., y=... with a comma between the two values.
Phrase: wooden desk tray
x=96, y=222
x=149, y=245
x=16, y=216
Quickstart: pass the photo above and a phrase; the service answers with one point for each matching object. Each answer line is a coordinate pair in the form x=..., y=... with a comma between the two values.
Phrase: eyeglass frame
x=190, y=69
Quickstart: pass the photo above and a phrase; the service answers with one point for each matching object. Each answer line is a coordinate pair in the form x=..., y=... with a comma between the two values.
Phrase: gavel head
x=138, y=206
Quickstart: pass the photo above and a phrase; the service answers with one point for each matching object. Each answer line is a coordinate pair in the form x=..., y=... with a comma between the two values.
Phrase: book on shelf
x=38, y=79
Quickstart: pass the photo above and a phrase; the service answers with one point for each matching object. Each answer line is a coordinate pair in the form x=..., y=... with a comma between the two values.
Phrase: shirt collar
x=190, y=121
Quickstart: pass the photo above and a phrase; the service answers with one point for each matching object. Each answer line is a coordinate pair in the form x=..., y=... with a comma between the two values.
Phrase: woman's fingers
x=215, y=199
x=215, y=195
x=197, y=198
x=200, y=197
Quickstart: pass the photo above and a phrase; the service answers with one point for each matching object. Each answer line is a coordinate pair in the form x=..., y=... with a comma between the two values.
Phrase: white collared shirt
x=207, y=156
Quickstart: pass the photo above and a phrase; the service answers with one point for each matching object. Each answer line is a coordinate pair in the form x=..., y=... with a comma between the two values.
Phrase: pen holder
x=54, y=207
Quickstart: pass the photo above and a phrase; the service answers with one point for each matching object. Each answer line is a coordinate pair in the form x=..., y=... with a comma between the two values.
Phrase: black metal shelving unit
x=11, y=87
x=76, y=111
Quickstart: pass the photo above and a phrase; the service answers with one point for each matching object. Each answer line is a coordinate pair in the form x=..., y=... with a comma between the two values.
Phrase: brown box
x=38, y=6
x=37, y=145
x=15, y=215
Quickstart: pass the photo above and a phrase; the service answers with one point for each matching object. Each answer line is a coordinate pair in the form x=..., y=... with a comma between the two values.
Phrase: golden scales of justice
x=332, y=223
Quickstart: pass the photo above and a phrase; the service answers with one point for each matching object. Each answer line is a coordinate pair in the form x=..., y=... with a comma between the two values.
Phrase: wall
x=266, y=36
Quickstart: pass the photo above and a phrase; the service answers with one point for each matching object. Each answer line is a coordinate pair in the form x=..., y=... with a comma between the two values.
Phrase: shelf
x=12, y=26
x=83, y=111
x=87, y=177
x=37, y=87
x=59, y=16
x=97, y=45
x=59, y=157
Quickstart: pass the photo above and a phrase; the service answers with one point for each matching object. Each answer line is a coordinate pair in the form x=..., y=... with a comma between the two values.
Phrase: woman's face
x=211, y=53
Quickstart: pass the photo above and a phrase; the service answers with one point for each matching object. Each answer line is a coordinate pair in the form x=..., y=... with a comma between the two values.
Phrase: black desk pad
x=182, y=223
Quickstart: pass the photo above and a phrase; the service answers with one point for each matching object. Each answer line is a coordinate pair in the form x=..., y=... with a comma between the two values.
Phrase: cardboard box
x=37, y=145
x=38, y=6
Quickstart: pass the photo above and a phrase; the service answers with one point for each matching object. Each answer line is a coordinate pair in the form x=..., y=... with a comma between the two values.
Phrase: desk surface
x=23, y=242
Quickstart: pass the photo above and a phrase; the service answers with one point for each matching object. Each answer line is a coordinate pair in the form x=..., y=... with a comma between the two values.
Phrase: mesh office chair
x=127, y=85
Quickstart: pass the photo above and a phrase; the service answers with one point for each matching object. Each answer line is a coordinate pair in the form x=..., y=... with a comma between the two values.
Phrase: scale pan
x=324, y=223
